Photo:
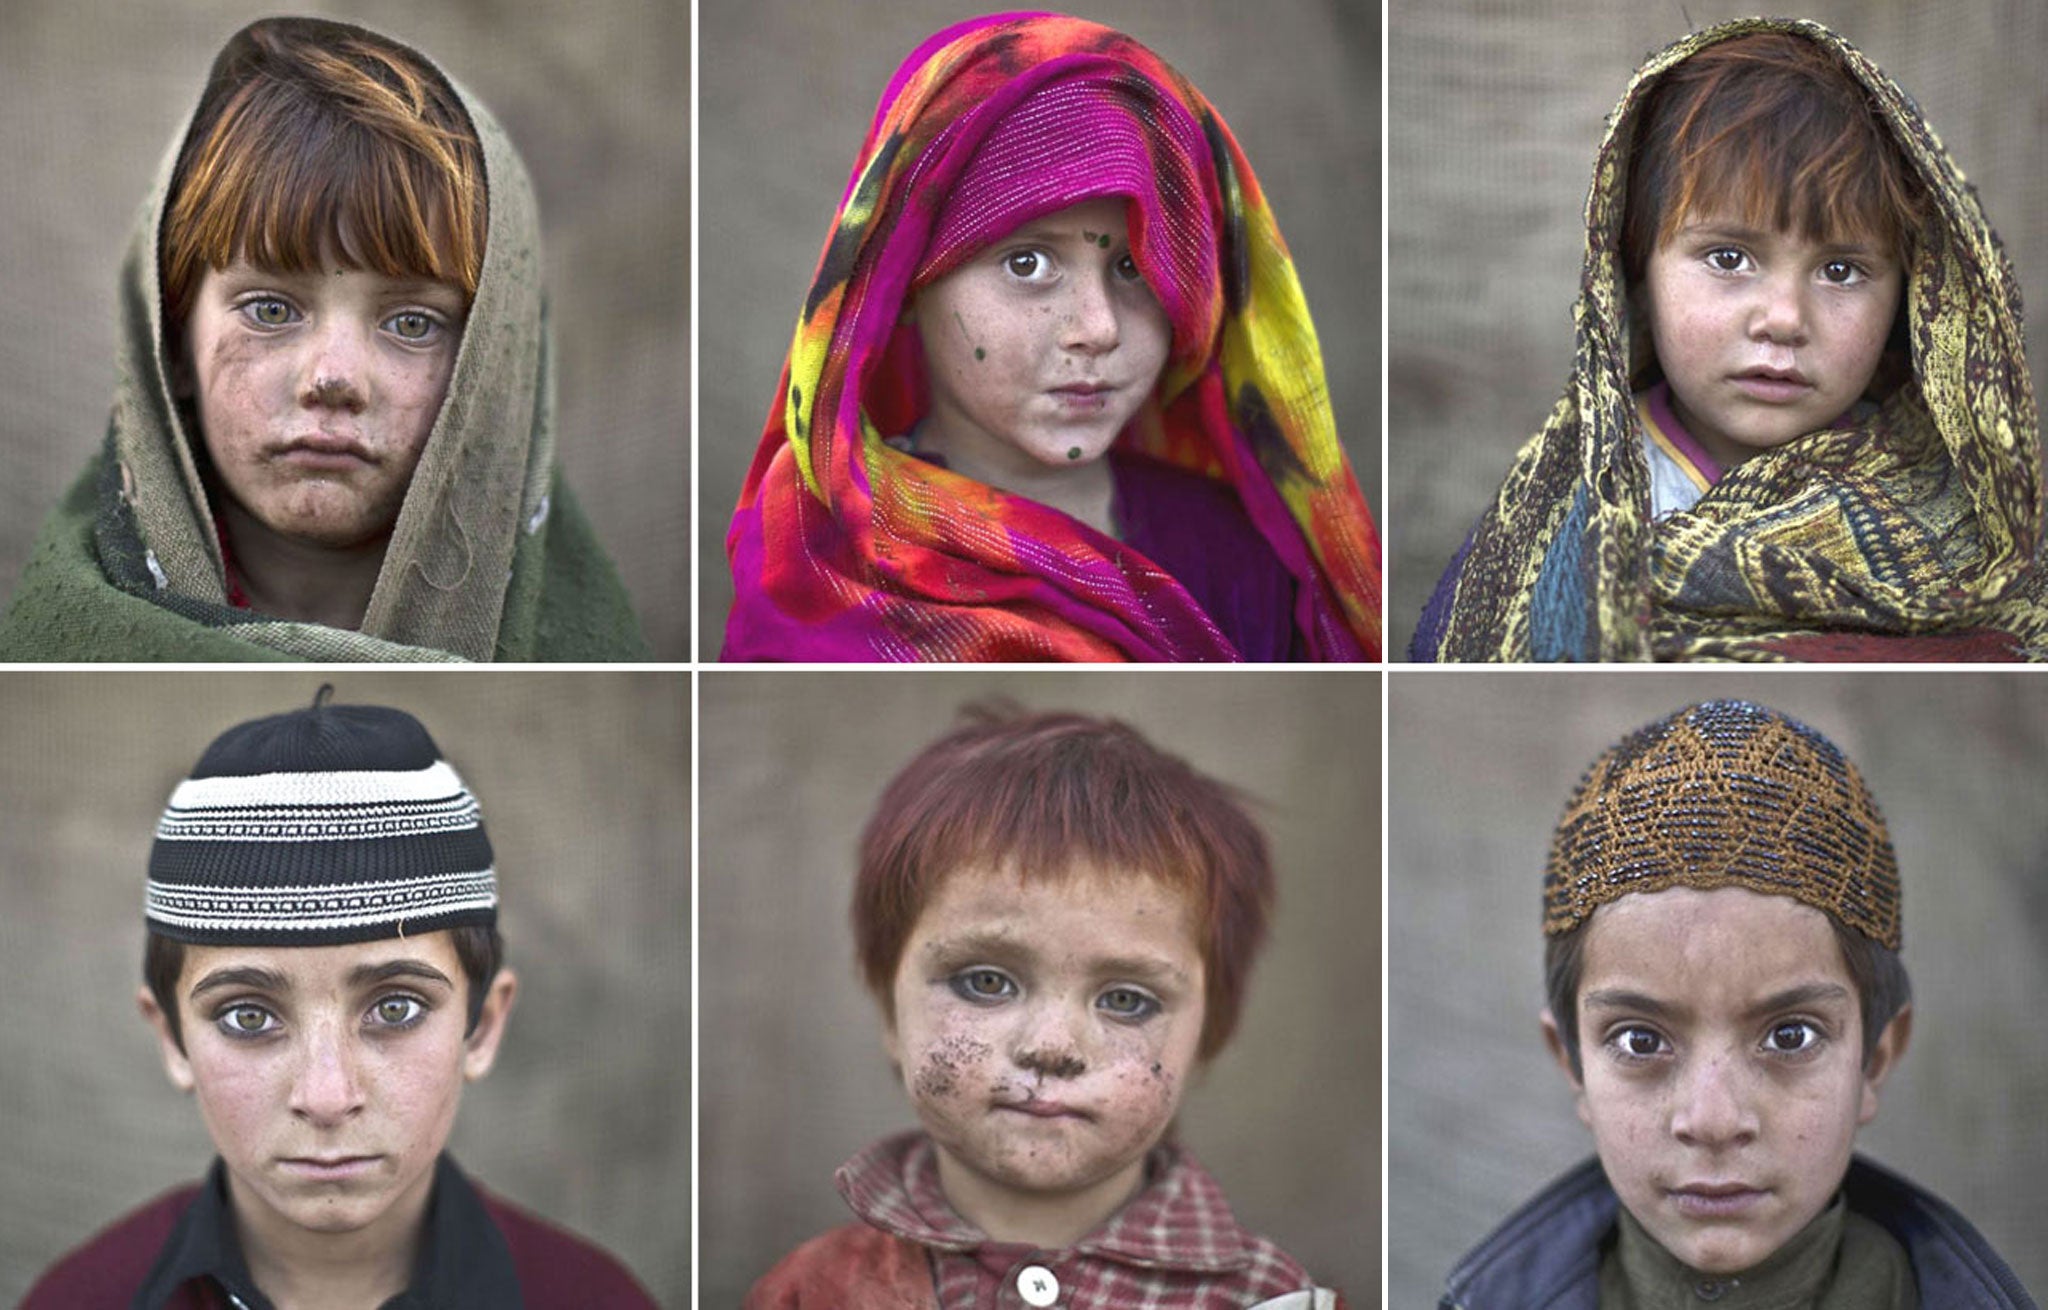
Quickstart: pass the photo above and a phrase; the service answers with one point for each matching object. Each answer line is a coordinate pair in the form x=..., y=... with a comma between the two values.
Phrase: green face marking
x=1103, y=241
x=980, y=354
x=1073, y=452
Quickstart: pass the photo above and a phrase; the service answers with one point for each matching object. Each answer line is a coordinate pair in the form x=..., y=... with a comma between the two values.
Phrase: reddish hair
x=1773, y=124
x=317, y=141
x=1047, y=795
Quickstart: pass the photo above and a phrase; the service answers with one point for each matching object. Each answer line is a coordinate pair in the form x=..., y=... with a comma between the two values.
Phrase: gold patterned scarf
x=1907, y=533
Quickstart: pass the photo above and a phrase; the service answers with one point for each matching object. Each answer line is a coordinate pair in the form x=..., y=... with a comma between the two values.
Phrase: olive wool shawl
x=1907, y=533
x=489, y=558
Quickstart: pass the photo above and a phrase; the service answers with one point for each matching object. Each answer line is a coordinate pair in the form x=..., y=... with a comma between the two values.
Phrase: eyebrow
x=1739, y=232
x=998, y=946
x=363, y=975
x=262, y=980
x=1792, y=998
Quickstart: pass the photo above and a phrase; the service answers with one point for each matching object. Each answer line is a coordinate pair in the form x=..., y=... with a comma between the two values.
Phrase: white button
x=1037, y=1286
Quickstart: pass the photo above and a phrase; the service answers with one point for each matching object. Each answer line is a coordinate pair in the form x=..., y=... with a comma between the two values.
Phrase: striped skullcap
x=1725, y=794
x=336, y=823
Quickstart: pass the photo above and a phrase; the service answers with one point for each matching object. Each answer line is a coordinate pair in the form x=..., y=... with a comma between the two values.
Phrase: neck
x=1050, y=1220
x=302, y=1269
x=1082, y=490
x=301, y=580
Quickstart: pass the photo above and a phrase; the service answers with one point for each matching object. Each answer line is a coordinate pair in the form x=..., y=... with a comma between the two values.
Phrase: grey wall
x=598, y=101
x=794, y=1080
x=1494, y=111
x=789, y=88
x=1481, y=763
x=584, y=784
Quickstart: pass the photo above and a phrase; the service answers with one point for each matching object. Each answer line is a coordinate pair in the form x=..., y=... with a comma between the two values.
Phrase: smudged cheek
x=1141, y=1088
x=246, y=394
x=952, y=1069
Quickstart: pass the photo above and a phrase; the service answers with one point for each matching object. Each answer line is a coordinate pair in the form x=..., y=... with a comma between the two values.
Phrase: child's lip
x=1773, y=385
x=1716, y=1200
x=1042, y=1109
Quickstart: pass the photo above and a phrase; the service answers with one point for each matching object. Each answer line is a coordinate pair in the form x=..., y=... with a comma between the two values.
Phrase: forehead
x=1723, y=942
x=320, y=968
x=1061, y=908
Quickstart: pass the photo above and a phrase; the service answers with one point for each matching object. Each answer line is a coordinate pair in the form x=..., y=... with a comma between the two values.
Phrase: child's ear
x=1554, y=1040
x=1891, y=1045
x=176, y=1067
x=480, y=1048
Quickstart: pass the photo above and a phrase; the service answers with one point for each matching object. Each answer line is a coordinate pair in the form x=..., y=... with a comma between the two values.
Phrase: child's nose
x=1713, y=1106
x=1092, y=326
x=1780, y=314
x=1051, y=1042
x=327, y=1088
x=335, y=374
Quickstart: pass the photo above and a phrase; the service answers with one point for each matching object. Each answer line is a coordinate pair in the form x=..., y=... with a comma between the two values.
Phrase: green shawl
x=489, y=558
x=1908, y=534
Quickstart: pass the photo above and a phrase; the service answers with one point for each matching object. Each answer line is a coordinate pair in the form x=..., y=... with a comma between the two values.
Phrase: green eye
x=270, y=313
x=412, y=326
x=397, y=1011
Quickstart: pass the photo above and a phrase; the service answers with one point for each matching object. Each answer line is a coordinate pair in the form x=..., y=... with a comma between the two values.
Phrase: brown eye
x=411, y=325
x=1789, y=1038
x=1840, y=272
x=1726, y=259
x=1127, y=269
x=1024, y=264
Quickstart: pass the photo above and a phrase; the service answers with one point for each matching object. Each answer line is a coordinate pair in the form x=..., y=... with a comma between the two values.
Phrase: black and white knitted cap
x=332, y=824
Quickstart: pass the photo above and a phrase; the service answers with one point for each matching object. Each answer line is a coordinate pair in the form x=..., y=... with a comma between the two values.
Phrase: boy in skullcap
x=1722, y=915
x=323, y=971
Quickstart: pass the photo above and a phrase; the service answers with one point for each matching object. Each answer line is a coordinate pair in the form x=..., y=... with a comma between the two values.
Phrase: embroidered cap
x=336, y=823
x=1725, y=794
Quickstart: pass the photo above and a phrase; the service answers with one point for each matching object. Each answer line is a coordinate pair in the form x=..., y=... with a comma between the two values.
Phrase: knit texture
x=487, y=559
x=1909, y=533
x=338, y=823
x=844, y=548
x=1725, y=794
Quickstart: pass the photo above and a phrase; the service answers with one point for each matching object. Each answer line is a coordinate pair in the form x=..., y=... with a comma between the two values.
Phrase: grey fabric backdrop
x=794, y=1080
x=789, y=88
x=1481, y=763
x=598, y=102
x=1494, y=111
x=584, y=782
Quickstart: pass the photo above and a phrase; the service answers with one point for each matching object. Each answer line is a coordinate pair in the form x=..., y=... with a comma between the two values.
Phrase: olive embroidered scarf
x=489, y=558
x=844, y=548
x=1909, y=534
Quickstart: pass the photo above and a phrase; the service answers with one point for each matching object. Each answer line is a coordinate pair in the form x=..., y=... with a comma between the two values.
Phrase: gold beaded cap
x=1725, y=794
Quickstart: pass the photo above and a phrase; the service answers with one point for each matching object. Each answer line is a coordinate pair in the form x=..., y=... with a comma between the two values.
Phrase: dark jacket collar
x=464, y=1263
x=1546, y=1255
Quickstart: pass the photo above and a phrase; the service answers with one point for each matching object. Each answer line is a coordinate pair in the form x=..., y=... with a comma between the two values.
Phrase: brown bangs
x=318, y=143
x=1769, y=130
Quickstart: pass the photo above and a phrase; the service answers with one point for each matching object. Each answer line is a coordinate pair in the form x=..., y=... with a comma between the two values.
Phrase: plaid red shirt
x=1175, y=1246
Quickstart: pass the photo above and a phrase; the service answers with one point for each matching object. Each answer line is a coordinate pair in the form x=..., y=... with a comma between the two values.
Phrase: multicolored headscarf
x=844, y=548
x=1909, y=534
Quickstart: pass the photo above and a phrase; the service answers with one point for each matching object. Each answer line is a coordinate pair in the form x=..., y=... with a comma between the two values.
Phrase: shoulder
x=108, y=1269
x=558, y=1268
x=884, y=1271
x=1955, y=1264
x=1546, y=1254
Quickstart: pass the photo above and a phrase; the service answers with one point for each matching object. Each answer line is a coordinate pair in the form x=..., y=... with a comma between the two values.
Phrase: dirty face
x=1044, y=345
x=1045, y=1031
x=1723, y=1071
x=1764, y=335
x=329, y=1076
x=316, y=391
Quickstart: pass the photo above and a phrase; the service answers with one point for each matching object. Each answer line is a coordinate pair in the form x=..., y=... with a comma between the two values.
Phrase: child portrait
x=346, y=366
x=1708, y=988
x=1772, y=351
x=1059, y=388
x=1087, y=973
x=339, y=952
